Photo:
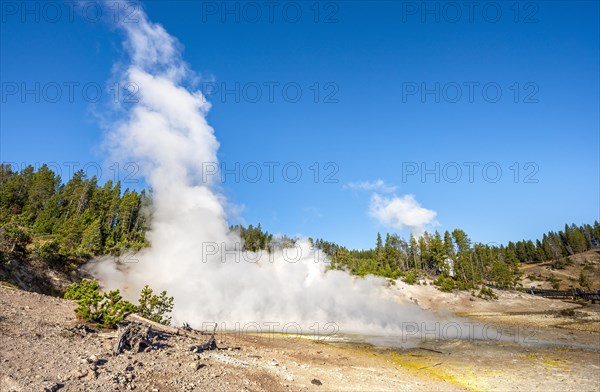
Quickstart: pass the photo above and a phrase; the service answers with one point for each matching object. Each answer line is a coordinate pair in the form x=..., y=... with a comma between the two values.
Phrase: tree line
x=456, y=260
x=41, y=216
x=80, y=218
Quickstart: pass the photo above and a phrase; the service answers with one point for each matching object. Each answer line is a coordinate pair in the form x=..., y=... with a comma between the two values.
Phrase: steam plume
x=167, y=134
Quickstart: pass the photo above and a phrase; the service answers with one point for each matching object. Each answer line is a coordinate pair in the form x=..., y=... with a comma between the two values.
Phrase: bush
x=445, y=283
x=553, y=280
x=461, y=285
x=49, y=252
x=561, y=263
x=584, y=281
x=410, y=277
x=14, y=239
x=486, y=293
x=108, y=309
x=86, y=289
x=155, y=307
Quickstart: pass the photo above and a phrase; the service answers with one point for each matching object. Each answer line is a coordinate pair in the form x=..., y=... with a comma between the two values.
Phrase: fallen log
x=154, y=325
x=136, y=333
x=186, y=330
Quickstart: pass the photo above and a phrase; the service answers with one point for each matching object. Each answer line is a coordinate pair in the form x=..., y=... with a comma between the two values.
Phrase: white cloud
x=377, y=185
x=401, y=212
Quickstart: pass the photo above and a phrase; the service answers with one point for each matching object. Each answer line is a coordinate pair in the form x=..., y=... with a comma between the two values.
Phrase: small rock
x=53, y=387
x=316, y=381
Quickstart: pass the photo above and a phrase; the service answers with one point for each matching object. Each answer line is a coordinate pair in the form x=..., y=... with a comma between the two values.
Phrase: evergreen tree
x=91, y=242
x=448, y=244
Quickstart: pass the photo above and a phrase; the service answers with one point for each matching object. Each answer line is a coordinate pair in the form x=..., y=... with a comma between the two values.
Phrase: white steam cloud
x=191, y=254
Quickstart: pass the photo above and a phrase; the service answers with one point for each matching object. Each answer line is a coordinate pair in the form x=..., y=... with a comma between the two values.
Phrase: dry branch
x=154, y=325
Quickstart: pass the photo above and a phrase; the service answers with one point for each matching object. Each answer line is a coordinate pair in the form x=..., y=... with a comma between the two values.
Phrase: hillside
x=40, y=276
x=567, y=274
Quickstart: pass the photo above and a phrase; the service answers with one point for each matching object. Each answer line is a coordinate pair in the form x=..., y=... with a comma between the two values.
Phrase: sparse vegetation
x=584, y=281
x=554, y=282
x=561, y=263
x=108, y=309
x=155, y=307
x=445, y=283
x=410, y=277
x=486, y=293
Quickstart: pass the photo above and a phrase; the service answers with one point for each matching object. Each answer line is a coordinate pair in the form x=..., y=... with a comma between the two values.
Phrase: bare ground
x=536, y=275
x=40, y=349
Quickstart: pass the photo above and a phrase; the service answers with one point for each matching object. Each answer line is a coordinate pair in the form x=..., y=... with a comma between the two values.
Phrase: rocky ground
x=43, y=346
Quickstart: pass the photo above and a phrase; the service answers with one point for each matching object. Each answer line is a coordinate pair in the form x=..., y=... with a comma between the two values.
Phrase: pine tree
x=448, y=244
x=91, y=242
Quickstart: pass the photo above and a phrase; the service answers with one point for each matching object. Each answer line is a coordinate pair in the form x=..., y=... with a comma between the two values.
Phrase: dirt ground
x=41, y=348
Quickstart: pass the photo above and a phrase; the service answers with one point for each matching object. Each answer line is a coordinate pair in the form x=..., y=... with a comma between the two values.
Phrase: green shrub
x=561, y=263
x=49, y=251
x=553, y=280
x=108, y=309
x=155, y=307
x=584, y=281
x=461, y=285
x=85, y=289
x=410, y=277
x=445, y=283
x=14, y=239
x=486, y=293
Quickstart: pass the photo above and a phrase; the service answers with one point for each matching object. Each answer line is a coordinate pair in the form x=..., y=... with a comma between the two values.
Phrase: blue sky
x=360, y=68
